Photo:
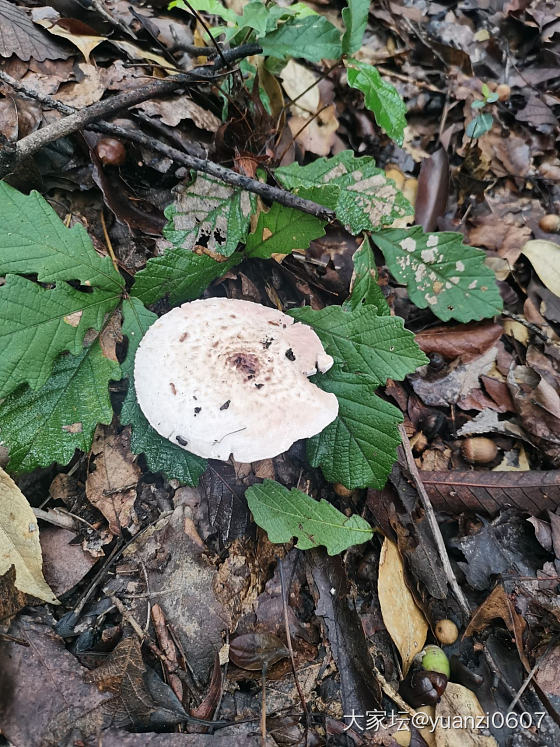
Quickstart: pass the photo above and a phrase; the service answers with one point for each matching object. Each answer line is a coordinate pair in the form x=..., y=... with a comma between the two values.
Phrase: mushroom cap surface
x=223, y=376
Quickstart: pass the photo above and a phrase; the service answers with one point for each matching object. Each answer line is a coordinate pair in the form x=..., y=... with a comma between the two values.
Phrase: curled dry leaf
x=254, y=651
x=458, y=702
x=465, y=340
x=111, y=482
x=433, y=190
x=402, y=617
x=19, y=542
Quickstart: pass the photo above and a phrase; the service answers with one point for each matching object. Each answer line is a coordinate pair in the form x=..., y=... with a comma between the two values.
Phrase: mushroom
x=222, y=376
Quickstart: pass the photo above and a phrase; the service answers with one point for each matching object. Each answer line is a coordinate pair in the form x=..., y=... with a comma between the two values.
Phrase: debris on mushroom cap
x=222, y=376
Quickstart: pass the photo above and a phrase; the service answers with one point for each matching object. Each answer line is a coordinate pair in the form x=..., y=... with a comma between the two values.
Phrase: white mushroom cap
x=221, y=376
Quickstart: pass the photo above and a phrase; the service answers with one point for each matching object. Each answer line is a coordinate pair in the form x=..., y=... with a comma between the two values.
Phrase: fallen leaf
x=113, y=476
x=545, y=258
x=299, y=82
x=433, y=190
x=64, y=564
x=402, y=617
x=19, y=542
x=468, y=341
x=46, y=698
x=462, y=705
x=490, y=492
x=21, y=38
x=316, y=134
x=84, y=92
x=175, y=109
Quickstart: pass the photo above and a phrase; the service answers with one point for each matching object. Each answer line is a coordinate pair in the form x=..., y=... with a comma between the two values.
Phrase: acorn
x=503, y=91
x=479, y=450
x=446, y=632
x=550, y=223
x=422, y=688
x=435, y=660
x=110, y=151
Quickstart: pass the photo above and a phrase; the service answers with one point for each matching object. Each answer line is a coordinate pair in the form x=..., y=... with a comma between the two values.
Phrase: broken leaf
x=210, y=213
x=284, y=514
x=441, y=273
x=460, y=706
x=354, y=188
x=19, y=542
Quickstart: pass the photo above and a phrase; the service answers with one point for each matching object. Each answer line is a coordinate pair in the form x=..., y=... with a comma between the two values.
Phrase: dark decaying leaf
x=505, y=546
x=19, y=36
x=140, y=699
x=342, y=628
x=228, y=512
x=489, y=492
x=433, y=190
x=254, y=651
x=32, y=712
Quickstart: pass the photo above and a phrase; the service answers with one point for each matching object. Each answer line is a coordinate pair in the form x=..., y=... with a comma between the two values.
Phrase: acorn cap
x=222, y=376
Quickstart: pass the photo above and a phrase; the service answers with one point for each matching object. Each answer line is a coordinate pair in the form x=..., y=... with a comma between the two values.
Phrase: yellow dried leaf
x=403, y=619
x=457, y=704
x=19, y=542
x=545, y=258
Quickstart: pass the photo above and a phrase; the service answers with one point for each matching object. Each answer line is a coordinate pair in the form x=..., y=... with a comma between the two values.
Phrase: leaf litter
x=194, y=552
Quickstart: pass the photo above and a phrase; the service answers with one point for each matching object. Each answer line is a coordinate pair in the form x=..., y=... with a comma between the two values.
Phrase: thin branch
x=11, y=154
x=434, y=526
x=274, y=194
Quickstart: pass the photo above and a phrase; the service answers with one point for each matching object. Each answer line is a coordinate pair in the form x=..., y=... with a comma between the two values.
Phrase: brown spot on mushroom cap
x=219, y=363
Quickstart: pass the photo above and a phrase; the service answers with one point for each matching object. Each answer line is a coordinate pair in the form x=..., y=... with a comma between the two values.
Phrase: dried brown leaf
x=489, y=492
x=19, y=36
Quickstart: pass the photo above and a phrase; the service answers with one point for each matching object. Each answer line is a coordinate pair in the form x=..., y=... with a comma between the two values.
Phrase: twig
x=274, y=194
x=432, y=521
x=54, y=517
x=290, y=648
x=111, y=252
x=10, y=156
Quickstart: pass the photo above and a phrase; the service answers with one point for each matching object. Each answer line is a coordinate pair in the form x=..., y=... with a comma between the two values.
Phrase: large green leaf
x=284, y=514
x=366, y=200
x=312, y=38
x=441, y=273
x=375, y=347
x=180, y=274
x=161, y=455
x=282, y=230
x=380, y=97
x=210, y=213
x=33, y=240
x=355, y=18
x=36, y=324
x=365, y=289
x=49, y=424
x=359, y=448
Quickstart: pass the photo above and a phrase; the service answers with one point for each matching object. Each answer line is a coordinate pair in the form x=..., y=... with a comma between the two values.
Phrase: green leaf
x=212, y=7
x=380, y=97
x=161, y=455
x=375, y=347
x=365, y=290
x=359, y=448
x=366, y=200
x=284, y=514
x=180, y=274
x=256, y=16
x=210, y=213
x=34, y=240
x=49, y=424
x=355, y=18
x=282, y=230
x=479, y=125
x=441, y=273
x=36, y=324
x=478, y=104
x=311, y=38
